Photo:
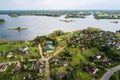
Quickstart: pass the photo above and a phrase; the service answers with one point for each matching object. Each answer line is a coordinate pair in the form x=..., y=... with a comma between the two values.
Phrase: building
x=3, y=67
x=17, y=67
x=10, y=54
x=92, y=71
x=25, y=49
x=49, y=46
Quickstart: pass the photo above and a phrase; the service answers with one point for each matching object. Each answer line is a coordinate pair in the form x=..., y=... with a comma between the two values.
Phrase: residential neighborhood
x=69, y=56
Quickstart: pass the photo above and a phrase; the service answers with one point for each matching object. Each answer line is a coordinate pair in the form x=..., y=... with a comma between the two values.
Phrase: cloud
x=59, y=4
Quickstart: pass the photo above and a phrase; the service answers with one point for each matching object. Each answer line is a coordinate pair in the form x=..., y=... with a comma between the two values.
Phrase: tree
x=40, y=39
x=114, y=77
x=57, y=33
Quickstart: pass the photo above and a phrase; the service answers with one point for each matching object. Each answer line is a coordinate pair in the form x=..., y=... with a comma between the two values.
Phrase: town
x=61, y=56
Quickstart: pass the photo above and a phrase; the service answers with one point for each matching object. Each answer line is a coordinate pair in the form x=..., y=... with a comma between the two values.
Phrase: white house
x=10, y=54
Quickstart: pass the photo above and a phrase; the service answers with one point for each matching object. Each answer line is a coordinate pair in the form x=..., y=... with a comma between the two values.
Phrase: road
x=42, y=58
x=18, y=61
x=47, y=70
x=47, y=62
x=9, y=62
x=110, y=72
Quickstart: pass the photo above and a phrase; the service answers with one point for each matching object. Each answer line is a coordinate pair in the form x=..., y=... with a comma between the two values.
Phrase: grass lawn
x=78, y=57
x=82, y=75
x=11, y=46
x=7, y=75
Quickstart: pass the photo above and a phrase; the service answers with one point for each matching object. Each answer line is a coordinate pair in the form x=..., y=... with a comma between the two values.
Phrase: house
x=25, y=49
x=64, y=63
x=55, y=60
x=38, y=64
x=99, y=57
x=25, y=67
x=28, y=77
x=118, y=45
x=17, y=67
x=10, y=54
x=107, y=62
x=49, y=46
x=61, y=74
x=92, y=71
x=40, y=71
x=3, y=67
x=25, y=53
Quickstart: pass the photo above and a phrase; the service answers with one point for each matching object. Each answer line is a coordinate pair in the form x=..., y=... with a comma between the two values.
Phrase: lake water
x=41, y=25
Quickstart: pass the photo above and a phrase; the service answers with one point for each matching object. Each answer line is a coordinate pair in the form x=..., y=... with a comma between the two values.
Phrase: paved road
x=47, y=62
x=43, y=59
x=47, y=70
x=110, y=72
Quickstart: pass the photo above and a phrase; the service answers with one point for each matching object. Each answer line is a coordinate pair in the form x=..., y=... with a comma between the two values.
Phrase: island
x=14, y=15
x=2, y=20
x=74, y=16
x=114, y=22
x=106, y=15
x=18, y=28
x=66, y=20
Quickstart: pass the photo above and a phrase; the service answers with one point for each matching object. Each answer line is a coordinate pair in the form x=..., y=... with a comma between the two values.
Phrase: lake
x=41, y=25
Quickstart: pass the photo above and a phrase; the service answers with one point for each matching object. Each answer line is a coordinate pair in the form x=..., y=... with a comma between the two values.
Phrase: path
x=40, y=50
x=43, y=59
x=57, y=52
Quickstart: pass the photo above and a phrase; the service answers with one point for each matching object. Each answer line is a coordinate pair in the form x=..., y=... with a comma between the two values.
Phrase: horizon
x=67, y=10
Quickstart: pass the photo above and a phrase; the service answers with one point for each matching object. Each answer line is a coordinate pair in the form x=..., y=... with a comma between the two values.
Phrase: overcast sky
x=58, y=4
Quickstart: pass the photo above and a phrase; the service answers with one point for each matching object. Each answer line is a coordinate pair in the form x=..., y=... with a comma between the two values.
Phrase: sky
x=59, y=4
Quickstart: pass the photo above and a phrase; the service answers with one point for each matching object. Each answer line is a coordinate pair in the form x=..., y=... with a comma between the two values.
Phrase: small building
x=61, y=74
x=98, y=57
x=25, y=49
x=118, y=45
x=49, y=46
x=17, y=67
x=40, y=71
x=92, y=71
x=25, y=67
x=55, y=60
x=10, y=54
x=28, y=77
x=3, y=67
x=38, y=64
x=64, y=63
